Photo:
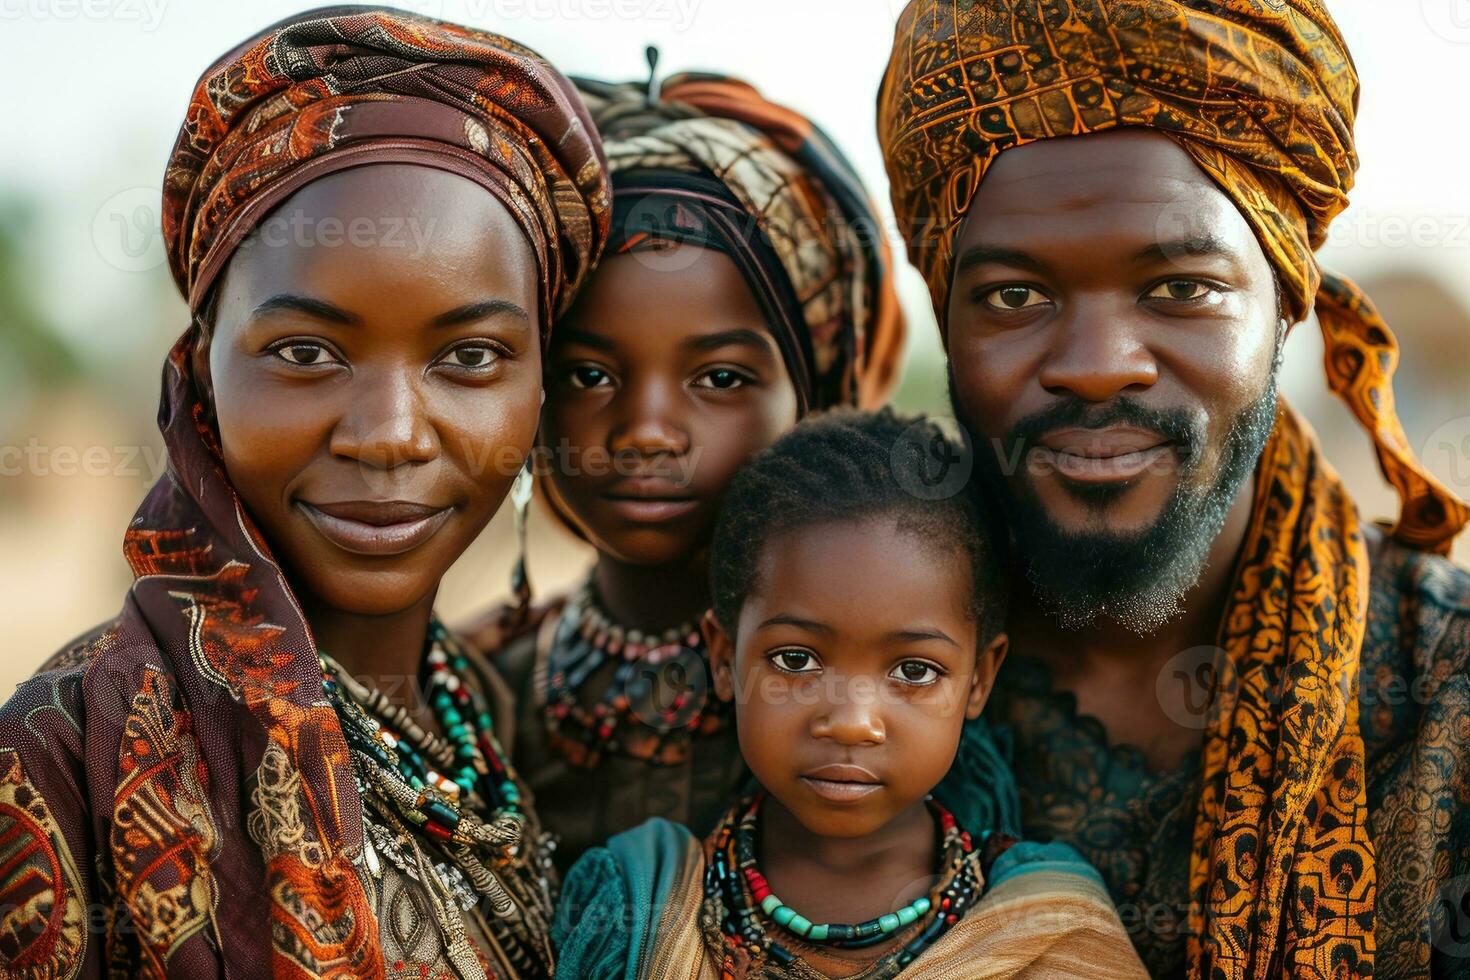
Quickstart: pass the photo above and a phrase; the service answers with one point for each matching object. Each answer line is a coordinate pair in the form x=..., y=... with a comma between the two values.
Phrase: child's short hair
x=845, y=466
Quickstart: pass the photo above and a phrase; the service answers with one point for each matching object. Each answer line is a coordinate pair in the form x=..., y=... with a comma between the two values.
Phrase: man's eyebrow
x=920, y=634
x=985, y=255
x=482, y=310
x=571, y=335
x=810, y=625
x=741, y=336
x=318, y=308
x=1200, y=245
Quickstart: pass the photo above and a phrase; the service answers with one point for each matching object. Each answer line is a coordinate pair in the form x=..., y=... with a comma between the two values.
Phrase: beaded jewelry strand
x=627, y=718
x=735, y=886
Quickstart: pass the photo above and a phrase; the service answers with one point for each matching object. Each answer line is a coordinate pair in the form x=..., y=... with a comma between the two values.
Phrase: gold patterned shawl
x=1262, y=94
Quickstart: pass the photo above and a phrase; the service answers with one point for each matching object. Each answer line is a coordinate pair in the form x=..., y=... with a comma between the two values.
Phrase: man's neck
x=1114, y=672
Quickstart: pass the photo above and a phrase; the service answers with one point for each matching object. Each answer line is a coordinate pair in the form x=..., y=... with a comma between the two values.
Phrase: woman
x=274, y=761
x=746, y=284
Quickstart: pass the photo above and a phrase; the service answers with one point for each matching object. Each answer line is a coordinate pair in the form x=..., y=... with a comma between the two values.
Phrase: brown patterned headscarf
x=1262, y=94
x=708, y=160
x=342, y=87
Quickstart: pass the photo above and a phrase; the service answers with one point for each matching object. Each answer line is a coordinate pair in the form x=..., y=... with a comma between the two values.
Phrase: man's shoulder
x=1415, y=599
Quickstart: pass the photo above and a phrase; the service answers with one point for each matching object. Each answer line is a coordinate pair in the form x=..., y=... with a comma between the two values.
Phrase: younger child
x=857, y=626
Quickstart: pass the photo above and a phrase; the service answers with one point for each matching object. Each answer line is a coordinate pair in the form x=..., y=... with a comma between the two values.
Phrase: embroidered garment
x=176, y=794
x=1282, y=873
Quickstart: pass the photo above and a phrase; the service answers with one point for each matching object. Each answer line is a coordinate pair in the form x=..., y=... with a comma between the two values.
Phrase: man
x=1248, y=708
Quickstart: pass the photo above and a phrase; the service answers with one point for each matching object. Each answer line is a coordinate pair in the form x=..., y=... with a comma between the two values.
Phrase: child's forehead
x=866, y=573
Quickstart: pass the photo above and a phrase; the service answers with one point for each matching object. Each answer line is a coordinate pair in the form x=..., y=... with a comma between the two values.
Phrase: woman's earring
x=520, y=498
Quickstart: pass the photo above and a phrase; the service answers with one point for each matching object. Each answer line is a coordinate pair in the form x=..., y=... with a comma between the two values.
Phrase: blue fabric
x=980, y=789
x=1025, y=857
x=610, y=903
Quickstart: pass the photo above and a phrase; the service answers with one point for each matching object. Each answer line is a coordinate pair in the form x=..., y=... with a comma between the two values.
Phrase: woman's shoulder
x=46, y=710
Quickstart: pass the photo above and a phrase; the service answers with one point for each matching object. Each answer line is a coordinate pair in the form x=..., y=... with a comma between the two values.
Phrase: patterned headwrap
x=342, y=87
x=1262, y=95
x=709, y=161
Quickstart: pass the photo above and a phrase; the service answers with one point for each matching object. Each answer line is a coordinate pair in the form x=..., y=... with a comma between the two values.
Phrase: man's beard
x=1135, y=579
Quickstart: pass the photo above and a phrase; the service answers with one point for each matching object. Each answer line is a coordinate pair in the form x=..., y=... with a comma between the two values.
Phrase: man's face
x=1113, y=337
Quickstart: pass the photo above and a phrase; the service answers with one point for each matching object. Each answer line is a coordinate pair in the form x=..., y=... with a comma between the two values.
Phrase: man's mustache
x=1180, y=426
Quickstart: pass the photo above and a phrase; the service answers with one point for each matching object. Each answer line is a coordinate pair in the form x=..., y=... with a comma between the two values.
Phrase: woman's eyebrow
x=318, y=308
x=481, y=310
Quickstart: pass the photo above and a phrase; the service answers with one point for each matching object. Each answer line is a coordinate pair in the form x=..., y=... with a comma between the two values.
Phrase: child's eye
x=722, y=379
x=304, y=353
x=588, y=376
x=794, y=661
x=915, y=672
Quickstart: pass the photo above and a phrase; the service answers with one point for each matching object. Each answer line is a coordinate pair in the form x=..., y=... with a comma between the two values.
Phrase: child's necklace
x=657, y=699
x=734, y=884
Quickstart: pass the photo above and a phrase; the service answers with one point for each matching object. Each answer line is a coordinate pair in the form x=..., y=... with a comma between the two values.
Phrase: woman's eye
x=587, y=376
x=1180, y=290
x=471, y=356
x=794, y=661
x=1009, y=298
x=722, y=379
x=304, y=353
x=915, y=672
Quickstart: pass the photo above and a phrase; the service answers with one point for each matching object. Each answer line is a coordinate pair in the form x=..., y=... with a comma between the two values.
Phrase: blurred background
x=95, y=91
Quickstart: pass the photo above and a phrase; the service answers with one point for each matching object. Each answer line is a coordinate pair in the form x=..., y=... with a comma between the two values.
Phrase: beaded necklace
x=656, y=701
x=746, y=907
x=413, y=780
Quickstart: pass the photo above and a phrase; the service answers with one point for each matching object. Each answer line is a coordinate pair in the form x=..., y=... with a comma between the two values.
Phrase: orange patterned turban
x=1261, y=93
x=341, y=87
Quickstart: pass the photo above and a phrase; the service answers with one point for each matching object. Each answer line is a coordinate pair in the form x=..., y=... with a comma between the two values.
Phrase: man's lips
x=842, y=782
x=1112, y=455
x=375, y=527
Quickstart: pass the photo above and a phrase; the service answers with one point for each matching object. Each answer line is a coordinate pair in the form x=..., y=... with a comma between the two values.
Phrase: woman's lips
x=842, y=783
x=376, y=528
x=1114, y=455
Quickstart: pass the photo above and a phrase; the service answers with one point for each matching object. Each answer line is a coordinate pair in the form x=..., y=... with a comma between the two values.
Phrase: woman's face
x=375, y=372
x=661, y=382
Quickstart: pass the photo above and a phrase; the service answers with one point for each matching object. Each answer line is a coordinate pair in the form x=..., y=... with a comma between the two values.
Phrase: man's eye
x=471, y=356
x=1007, y=298
x=304, y=353
x=915, y=672
x=587, y=376
x=721, y=378
x=1180, y=290
x=794, y=661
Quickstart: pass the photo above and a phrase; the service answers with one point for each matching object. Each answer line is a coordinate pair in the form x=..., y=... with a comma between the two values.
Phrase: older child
x=856, y=627
x=745, y=284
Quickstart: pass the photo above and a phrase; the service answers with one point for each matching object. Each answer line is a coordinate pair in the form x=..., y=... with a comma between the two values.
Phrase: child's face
x=661, y=382
x=853, y=668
